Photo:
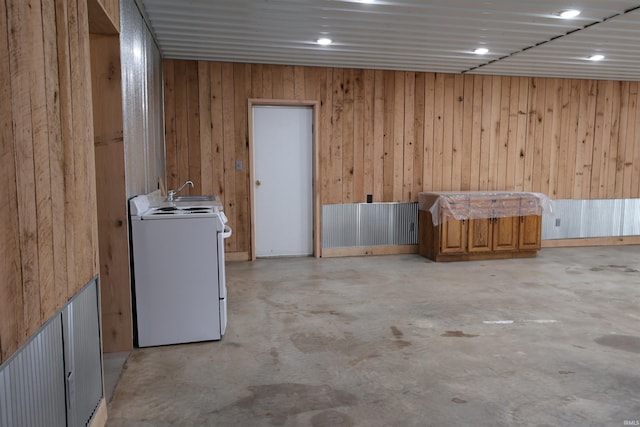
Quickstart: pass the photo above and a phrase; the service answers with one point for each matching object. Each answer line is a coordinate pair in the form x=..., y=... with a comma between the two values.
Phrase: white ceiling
x=523, y=37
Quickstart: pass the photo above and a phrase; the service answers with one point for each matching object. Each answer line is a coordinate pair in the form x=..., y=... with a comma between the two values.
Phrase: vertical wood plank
x=511, y=151
x=493, y=133
x=476, y=137
x=229, y=128
x=521, y=136
x=447, y=132
x=388, y=141
x=616, y=147
x=288, y=85
x=486, y=132
x=348, y=163
x=267, y=81
x=277, y=80
x=398, y=136
x=429, y=128
x=170, y=130
x=538, y=142
x=358, y=136
x=326, y=132
x=532, y=125
x=502, y=136
x=379, y=109
x=335, y=192
x=256, y=81
x=438, y=131
x=418, y=134
x=408, y=193
x=467, y=133
x=589, y=138
x=299, y=84
x=630, y=136
x=601, y=139
x=458, y=125
x=206, y=125
x=635, y=184
x=217, y=131
x=368, y=119
x=193, y=143
x=11, y=303
x=241, y=82
x=20, y=40
x=566, y=170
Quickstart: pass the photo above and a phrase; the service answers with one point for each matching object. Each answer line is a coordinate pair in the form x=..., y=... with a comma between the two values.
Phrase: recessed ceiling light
x=481, y=51
x=596, y=57
x=569, y=13
x=367, y=1
x=324, y=41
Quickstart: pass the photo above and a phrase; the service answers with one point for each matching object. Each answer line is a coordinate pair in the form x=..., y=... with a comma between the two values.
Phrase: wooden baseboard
x=593, y=241
x=482, y=256
x=236, y=256
x=369, y=250
x=100, y=417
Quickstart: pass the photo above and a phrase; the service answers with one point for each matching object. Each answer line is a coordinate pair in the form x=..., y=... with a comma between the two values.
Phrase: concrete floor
x=402, y=341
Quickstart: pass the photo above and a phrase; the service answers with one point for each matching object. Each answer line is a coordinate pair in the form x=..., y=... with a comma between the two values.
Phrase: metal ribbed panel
x=564, y=222
x=434, y=35
x=84, y=355
x=32, y=383
x=631, y=218
x=369, y=224
x=142, y=102
x=601, y=218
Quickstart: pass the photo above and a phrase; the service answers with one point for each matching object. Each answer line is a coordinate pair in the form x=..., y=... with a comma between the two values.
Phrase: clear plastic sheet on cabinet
x=472, y=205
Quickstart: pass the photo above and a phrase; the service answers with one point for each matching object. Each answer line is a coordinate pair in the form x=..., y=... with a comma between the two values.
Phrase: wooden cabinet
x=492, y=236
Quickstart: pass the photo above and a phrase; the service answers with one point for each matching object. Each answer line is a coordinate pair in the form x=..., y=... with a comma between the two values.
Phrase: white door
x=283, y=192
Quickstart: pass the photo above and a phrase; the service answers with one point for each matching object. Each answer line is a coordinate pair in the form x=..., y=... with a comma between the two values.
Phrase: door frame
x=255, y=102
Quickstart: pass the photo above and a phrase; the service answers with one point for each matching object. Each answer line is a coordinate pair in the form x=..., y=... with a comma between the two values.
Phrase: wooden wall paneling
x=277, y=81
x=112, y=9
x=438, y=131
x=115, y=290
x=502, y=140
x=398, y=136
x=486, y=129
x=288, y=83
x=182, y=125
x=620, y=101
x=551, y=141
x=20, y=40
x=629, y=134
x=635, y=182
x=206, y=126
x=581, y=139
x=56, y=156
x=170, y=130
x=39, y=119
x=612, y=107
x=299, y=84
x=511, y=141
x=379, y=108
x=467, y=132
x=538, y=141
x=418, y=133
x=429, y=129
x=408, y=192
x=493, y=132
x=447, y=132
x=256, y=80
x=358, y=136
x=229, y=128
x=348, y=161
x=532, y=125
x=458, y=124
x=569, y=141
x=242, y=91
x=217, y=131
x=11, y=304
x=368, y=126
x=601, y=135
x=326, y=132
x=476, y=136
x=66, y=127
x=267, y=81
x=388, y=138
x=336, y=147
x=192, y=143
x=589, y=138
x=521, y=136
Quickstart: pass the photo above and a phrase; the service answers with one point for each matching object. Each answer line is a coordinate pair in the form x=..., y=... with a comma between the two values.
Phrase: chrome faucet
x=172, y=193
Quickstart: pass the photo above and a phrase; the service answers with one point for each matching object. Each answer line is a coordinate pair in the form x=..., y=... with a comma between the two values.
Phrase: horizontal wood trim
x=369, y=250
x=592, y=241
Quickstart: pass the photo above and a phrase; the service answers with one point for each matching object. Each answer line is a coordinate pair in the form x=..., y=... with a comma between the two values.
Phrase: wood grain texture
x=393, y=134
x=49, y=240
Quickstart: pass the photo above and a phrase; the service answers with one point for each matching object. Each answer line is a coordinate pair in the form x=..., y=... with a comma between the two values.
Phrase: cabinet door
x=530, y=235
x=453, y=236
x=480, y=234
x=505, y=234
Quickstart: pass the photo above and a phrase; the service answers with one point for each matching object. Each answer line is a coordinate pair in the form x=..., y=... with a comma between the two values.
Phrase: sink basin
x=192, y=199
